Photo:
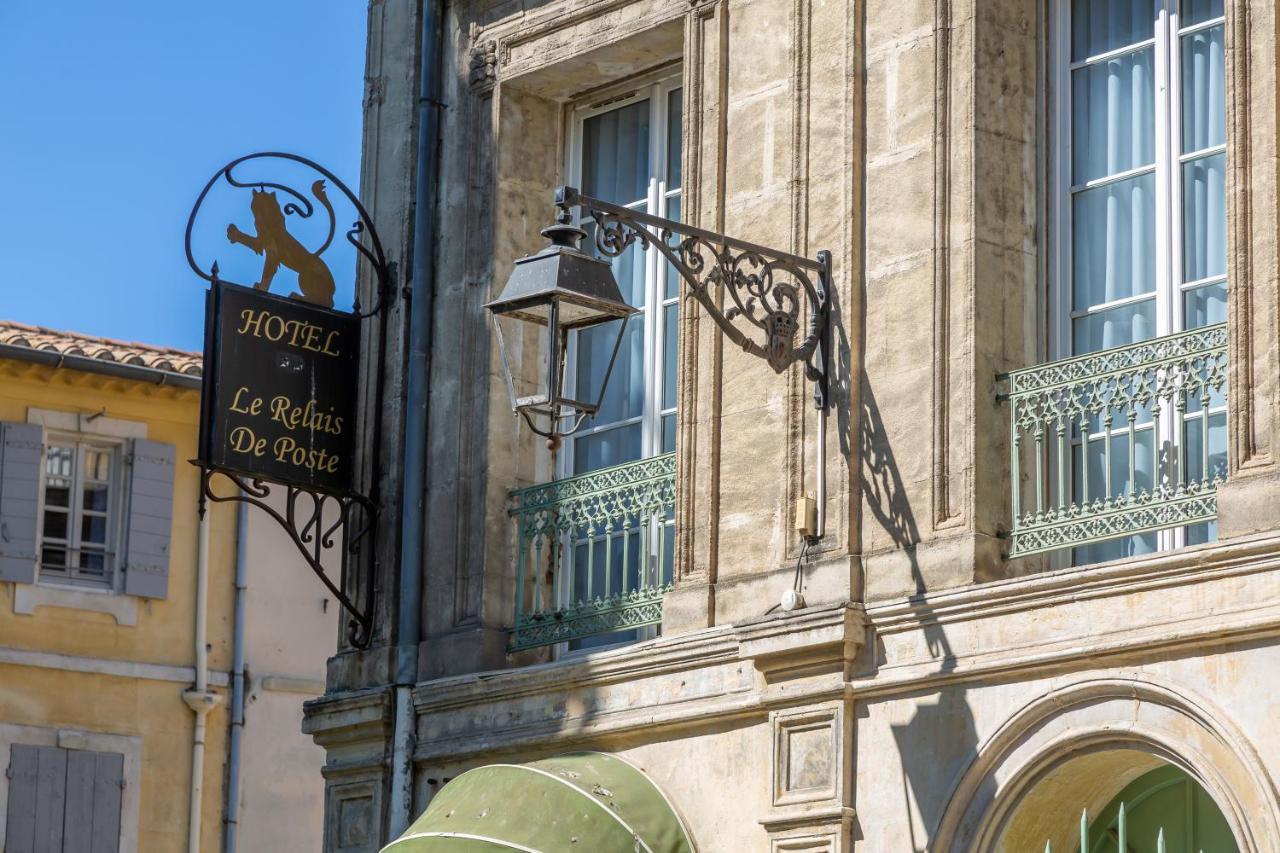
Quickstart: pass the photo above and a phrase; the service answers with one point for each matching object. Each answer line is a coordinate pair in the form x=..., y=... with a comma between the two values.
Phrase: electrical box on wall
x=807, y=516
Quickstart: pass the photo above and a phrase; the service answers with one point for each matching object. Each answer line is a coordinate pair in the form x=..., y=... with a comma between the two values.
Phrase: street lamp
x=559, y=290
x=756, y=295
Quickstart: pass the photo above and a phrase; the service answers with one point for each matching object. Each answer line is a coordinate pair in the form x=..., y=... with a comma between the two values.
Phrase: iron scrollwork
x=321, y=526
x=765, y=289
x=280, y=248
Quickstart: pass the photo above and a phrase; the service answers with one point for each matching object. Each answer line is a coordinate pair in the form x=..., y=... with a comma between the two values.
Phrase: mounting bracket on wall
x=757, y=296
x=765, y=289
x=319, y=525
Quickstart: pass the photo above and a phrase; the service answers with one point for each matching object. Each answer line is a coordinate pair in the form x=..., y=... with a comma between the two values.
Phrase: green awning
x=584, y=801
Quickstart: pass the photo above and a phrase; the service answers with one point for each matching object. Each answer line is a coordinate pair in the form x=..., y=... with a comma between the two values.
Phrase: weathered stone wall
x=907, y=138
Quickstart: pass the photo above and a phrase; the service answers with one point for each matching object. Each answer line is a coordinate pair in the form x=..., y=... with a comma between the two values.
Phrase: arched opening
x=1117, y=801
x=1079, y=746
x=1164, y=808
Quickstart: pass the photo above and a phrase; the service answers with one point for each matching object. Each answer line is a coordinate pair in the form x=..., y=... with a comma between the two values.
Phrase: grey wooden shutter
x=21, y=452
x=147, y=527
x=20, y=822
x=92, y=822
x=37, y=797
x=63, y=800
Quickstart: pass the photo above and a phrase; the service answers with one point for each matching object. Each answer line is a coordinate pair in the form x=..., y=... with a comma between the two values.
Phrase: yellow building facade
x=86, y=666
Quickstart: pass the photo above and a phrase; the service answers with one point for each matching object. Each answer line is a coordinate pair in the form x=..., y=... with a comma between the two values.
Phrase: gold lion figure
x=278, y=246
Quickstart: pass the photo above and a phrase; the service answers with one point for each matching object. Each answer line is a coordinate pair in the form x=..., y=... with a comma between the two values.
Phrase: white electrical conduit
x=199, y=698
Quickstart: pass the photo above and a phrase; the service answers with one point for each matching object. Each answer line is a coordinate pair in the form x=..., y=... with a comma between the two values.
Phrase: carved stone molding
x=484, y=65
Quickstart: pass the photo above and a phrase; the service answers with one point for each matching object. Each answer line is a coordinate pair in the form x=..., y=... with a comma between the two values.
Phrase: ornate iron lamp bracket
x=766, y=291
x=321, y=526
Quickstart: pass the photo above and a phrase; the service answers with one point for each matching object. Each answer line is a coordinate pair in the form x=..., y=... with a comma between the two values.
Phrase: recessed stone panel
x=806, y=756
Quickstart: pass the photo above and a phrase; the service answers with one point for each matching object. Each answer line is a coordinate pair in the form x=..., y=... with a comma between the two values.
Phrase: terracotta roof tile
x=107, y=349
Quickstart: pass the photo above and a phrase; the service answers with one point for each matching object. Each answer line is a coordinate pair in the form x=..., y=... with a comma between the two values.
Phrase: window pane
x=1114, y=251
x=1195, y=11
x=97, y=464
x=1193, y=435
x=1198, y=534
x=668, y=433
x=1204, y=111
x=672, y=287
x=628, y=268
x=670, y=344
x=1203, y=306
x=1114, y=328
x=60, y=461
x=55, y=525
x=675, y=107
x=93, y=563
x=1131, y=546
x=53, y=558
x=1113, y=116
x=1098, y=26
x=1204, y=217
x=93, y=530
x=95, y=497
x=605, y=448
x=624, y=395
x=615, y=154
x=57, y=492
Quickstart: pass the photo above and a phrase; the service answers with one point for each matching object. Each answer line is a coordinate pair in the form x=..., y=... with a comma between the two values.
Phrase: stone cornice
x=349, y=717
x=1075, y=617
x=656, y=657
x=718, y=674
x=513, y=35
x=1163, y=569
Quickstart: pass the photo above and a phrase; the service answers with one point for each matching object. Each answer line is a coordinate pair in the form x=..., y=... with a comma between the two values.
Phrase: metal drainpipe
x=231, y=810
x=422, y=298
x=199, y=698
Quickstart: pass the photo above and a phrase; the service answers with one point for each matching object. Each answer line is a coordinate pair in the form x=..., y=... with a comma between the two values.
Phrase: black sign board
x=279, y=398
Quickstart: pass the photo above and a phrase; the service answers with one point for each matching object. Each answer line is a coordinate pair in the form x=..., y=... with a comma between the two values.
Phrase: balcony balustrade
x=594, y=554
x=1119, y=442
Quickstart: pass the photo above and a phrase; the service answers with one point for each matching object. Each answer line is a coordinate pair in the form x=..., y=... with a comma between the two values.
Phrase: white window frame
x=656, y=88
x=114, y=513
x=1167, y=39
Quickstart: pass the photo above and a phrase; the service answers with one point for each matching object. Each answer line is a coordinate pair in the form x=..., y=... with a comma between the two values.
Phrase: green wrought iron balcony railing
x=1118, y=443
x=593, y=554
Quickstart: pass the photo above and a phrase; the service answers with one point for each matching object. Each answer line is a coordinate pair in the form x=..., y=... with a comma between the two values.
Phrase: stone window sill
x=27, y=597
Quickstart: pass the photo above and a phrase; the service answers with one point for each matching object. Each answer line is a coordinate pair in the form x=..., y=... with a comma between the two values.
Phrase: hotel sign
x=279, y=399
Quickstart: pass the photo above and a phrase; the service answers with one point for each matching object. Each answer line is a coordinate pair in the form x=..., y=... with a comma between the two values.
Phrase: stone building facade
x=1049, y=487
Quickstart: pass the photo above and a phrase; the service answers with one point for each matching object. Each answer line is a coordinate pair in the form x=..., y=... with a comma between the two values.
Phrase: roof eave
x=88, y=364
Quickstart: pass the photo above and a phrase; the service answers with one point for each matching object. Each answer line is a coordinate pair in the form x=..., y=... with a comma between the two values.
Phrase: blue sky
x=113, y=116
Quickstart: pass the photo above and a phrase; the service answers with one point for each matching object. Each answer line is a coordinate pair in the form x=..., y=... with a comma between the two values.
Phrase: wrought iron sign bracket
x=319, y=525
x=765, y=289
x=325, y=522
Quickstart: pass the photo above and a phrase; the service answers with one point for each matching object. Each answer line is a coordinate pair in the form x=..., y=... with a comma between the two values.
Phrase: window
x=1139, y=210
x=627, y=151
x=79, y=523
x=63, y=800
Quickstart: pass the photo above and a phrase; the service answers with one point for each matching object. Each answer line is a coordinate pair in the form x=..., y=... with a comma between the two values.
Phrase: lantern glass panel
x=525, y=354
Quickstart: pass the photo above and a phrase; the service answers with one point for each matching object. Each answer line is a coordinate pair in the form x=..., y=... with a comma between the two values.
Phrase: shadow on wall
x=939, y=740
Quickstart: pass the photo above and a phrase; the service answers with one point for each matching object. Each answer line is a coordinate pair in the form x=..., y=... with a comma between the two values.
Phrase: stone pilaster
x=355, y=730
x=1249, y=501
